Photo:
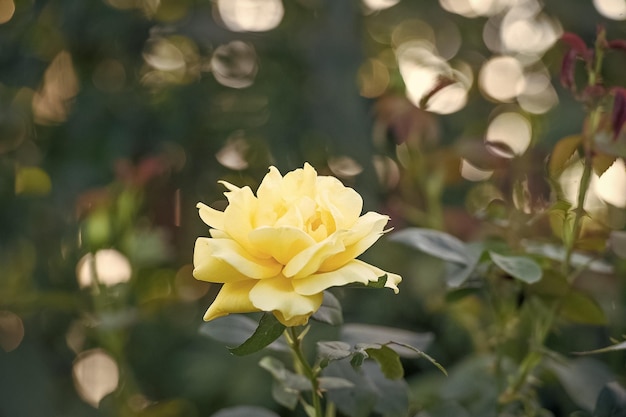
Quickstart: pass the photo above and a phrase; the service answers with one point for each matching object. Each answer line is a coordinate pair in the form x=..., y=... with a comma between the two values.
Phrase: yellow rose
x=278, y=251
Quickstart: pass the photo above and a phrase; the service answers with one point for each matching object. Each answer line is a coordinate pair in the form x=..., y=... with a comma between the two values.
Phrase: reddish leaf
x=568, y=67
x=618, y=44
x=618, y=117
x=575, y=43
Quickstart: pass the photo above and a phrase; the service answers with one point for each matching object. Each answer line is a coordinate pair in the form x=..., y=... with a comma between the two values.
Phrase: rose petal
x=269, y=189
x=342, y=202
x=277, y=295
x=354, y=271
x=299, y=183
x=309, y=260
x=282, y=243
x=232, y=298
x=239, y=217
x=236, y=256
x=210, y=216
x=365, y=232
x=211, y=269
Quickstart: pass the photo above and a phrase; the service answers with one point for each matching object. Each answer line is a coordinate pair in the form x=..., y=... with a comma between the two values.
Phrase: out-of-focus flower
x=279, y=250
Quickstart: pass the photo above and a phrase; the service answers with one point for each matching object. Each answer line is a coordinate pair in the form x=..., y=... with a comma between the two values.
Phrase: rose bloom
x=277, y=252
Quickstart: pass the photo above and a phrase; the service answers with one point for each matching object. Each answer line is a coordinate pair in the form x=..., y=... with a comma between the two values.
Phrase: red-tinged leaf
x=568, y=67
x=618, y=44
x=574, y=42
x=618, y=117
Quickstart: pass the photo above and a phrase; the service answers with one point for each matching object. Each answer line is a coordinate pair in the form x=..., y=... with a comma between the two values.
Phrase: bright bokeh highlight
x=611, y=9
x=96, y=375
x=512, y=130
x=250, y=15
x=109, y=266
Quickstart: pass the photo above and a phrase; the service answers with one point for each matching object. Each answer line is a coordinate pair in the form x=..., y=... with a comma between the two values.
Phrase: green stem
x=306, y=369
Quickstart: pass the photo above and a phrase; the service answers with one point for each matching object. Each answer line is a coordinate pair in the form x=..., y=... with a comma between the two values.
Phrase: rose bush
x=279, y=250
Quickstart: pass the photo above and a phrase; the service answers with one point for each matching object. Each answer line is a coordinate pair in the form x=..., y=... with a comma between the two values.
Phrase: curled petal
x=281, y=243
x=309, y=260
x=277, y=295
x=232, y=298
x=343, y=203
x=354, y=271
x=211, y=269
x=236, y=256
x=229, y=186
x=365, y=232
x=210, y=216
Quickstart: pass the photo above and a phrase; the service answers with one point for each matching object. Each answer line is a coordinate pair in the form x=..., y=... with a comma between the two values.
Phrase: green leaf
x=612, y=348
x=581, y=308
x=561, y=154
x=295, y=382
x=332, y=351
x=581, y=378
x=245, y=411
x=372, y=392
x=330, y=382
x=284, y=395
x=358, y=357
x=235, y=329
x=287, y=385
x=423, y=355
x=435, y=243
x=330, y=311
x=520, y=267
x=388, y=360
x=457, y=274
x=269, y=330
x=355, y=334
x=611, y=401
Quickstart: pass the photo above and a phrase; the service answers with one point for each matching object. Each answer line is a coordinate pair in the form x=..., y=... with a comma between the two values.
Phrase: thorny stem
x=585, y=180
x=305, y=368
x=534, y=357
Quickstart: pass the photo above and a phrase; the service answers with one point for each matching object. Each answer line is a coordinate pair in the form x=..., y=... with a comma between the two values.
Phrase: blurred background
x=117, y=116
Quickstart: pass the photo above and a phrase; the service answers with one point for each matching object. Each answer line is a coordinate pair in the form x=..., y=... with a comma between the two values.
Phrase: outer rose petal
x=365, y=232
x=277, y=295
x=354, y=271
x=232, y=298
x=239, y=217
x=211, y=269
x=309, y=260
x=282, y=243
x=210, y=216
x=232, y=253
